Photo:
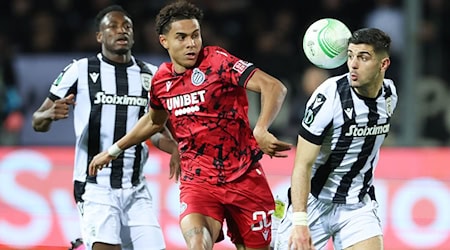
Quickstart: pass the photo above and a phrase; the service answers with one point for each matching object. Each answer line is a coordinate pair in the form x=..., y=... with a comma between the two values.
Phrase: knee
x=198, y=238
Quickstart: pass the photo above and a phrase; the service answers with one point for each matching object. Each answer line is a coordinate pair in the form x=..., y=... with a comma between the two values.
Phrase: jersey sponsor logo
x=240, y=66
x=186, y=103
x=94, y=76
x=102, y=98
x=146, y=80
x=356, y=131
x=197, y=77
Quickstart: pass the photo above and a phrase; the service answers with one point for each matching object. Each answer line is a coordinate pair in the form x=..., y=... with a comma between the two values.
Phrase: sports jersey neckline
x=116, y=64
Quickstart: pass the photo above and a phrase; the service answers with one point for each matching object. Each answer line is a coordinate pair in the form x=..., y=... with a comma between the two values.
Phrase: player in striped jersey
x=111, y=91
x=345, y=123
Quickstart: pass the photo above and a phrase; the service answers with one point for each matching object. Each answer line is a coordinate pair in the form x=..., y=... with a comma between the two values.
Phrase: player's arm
x=51, y=111
x=272, y=93
x=164, y=141
x=305, y=156
x=149, y=124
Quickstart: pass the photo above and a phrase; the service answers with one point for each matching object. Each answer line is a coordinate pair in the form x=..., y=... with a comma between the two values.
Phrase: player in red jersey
x=202, y=92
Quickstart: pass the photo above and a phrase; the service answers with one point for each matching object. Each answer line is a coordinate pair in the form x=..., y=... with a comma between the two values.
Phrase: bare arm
x=273, y=93
x=300, y=188
x=51, y=111
x=165, y=142
x=149, y=124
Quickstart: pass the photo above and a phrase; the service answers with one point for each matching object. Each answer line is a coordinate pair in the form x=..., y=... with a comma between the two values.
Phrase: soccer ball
x=325, y=43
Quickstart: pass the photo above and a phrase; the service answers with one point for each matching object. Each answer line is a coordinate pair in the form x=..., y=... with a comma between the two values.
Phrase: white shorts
x=348, y=224
x=120, y=216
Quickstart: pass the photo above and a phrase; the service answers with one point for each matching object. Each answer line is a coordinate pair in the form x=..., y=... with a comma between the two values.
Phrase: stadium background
x=39, y=38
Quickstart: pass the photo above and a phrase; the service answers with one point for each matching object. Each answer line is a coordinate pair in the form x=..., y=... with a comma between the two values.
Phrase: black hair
x=105, y=11
x=176, y=11
x=379, y=40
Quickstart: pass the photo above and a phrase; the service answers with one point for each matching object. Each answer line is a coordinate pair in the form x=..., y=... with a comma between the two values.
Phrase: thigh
x=100, y=223
x=201, y=207
x=373, y=243
x=138, y=208
x=319, y=222
x=140, y=226
x=142, y=238
x=250, y=205
x=358, y=224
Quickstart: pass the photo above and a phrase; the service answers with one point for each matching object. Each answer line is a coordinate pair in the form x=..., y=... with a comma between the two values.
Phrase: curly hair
x=176, y=11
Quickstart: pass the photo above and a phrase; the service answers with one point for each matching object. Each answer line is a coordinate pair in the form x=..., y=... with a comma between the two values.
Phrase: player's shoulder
x=146, y=66
x=215, y=51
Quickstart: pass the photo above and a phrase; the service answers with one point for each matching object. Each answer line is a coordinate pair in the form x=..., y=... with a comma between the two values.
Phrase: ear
x=163, y=41
x=385, y=62
x=99, y=36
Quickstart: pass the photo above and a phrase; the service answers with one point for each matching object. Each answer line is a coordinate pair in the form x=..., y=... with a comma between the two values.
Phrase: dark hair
x=379, y=40
x=105, y=11
x=176, y=11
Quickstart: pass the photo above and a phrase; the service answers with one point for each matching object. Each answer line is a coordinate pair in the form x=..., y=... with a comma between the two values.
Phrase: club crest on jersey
x=197, y=77
x=146, y=80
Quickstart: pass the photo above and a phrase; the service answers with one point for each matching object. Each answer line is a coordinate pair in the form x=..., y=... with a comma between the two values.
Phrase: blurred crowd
x=265, y=32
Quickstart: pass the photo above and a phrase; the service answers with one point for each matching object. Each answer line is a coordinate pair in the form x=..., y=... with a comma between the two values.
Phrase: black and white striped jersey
x=110, y=99
x=350, y=129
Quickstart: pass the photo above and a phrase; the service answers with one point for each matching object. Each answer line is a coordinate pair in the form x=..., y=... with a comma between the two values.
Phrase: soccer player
x=202, y=92
x=345, y=123
x=111, y=91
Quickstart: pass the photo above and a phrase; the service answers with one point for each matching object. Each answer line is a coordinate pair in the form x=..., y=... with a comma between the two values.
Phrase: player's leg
x=249, y=208
x=141, y=229
x=374, y=243
x=202, y=214
x=360, y=227
x=200, y=231
x=101, y=219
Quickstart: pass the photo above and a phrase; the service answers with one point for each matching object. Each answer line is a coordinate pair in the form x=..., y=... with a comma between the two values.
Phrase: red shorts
x=247, y=205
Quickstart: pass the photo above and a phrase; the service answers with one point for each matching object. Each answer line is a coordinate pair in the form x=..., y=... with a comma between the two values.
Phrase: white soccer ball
x=325, y=43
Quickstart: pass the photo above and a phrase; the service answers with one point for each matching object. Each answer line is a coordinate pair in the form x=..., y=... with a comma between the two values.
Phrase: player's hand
x=269, y=144
x=99, y=161
x=60, y=108
x=300, y=239
x=175, y=166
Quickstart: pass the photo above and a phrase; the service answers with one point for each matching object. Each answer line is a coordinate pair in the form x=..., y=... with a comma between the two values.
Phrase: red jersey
x=207, y=108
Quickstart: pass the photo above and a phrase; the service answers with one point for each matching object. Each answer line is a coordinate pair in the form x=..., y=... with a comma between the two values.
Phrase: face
x=366, y=68
x=116, y=34
x=183, y=43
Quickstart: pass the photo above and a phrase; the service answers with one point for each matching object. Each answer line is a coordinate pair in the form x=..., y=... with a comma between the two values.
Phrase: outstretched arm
x=149, y=124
